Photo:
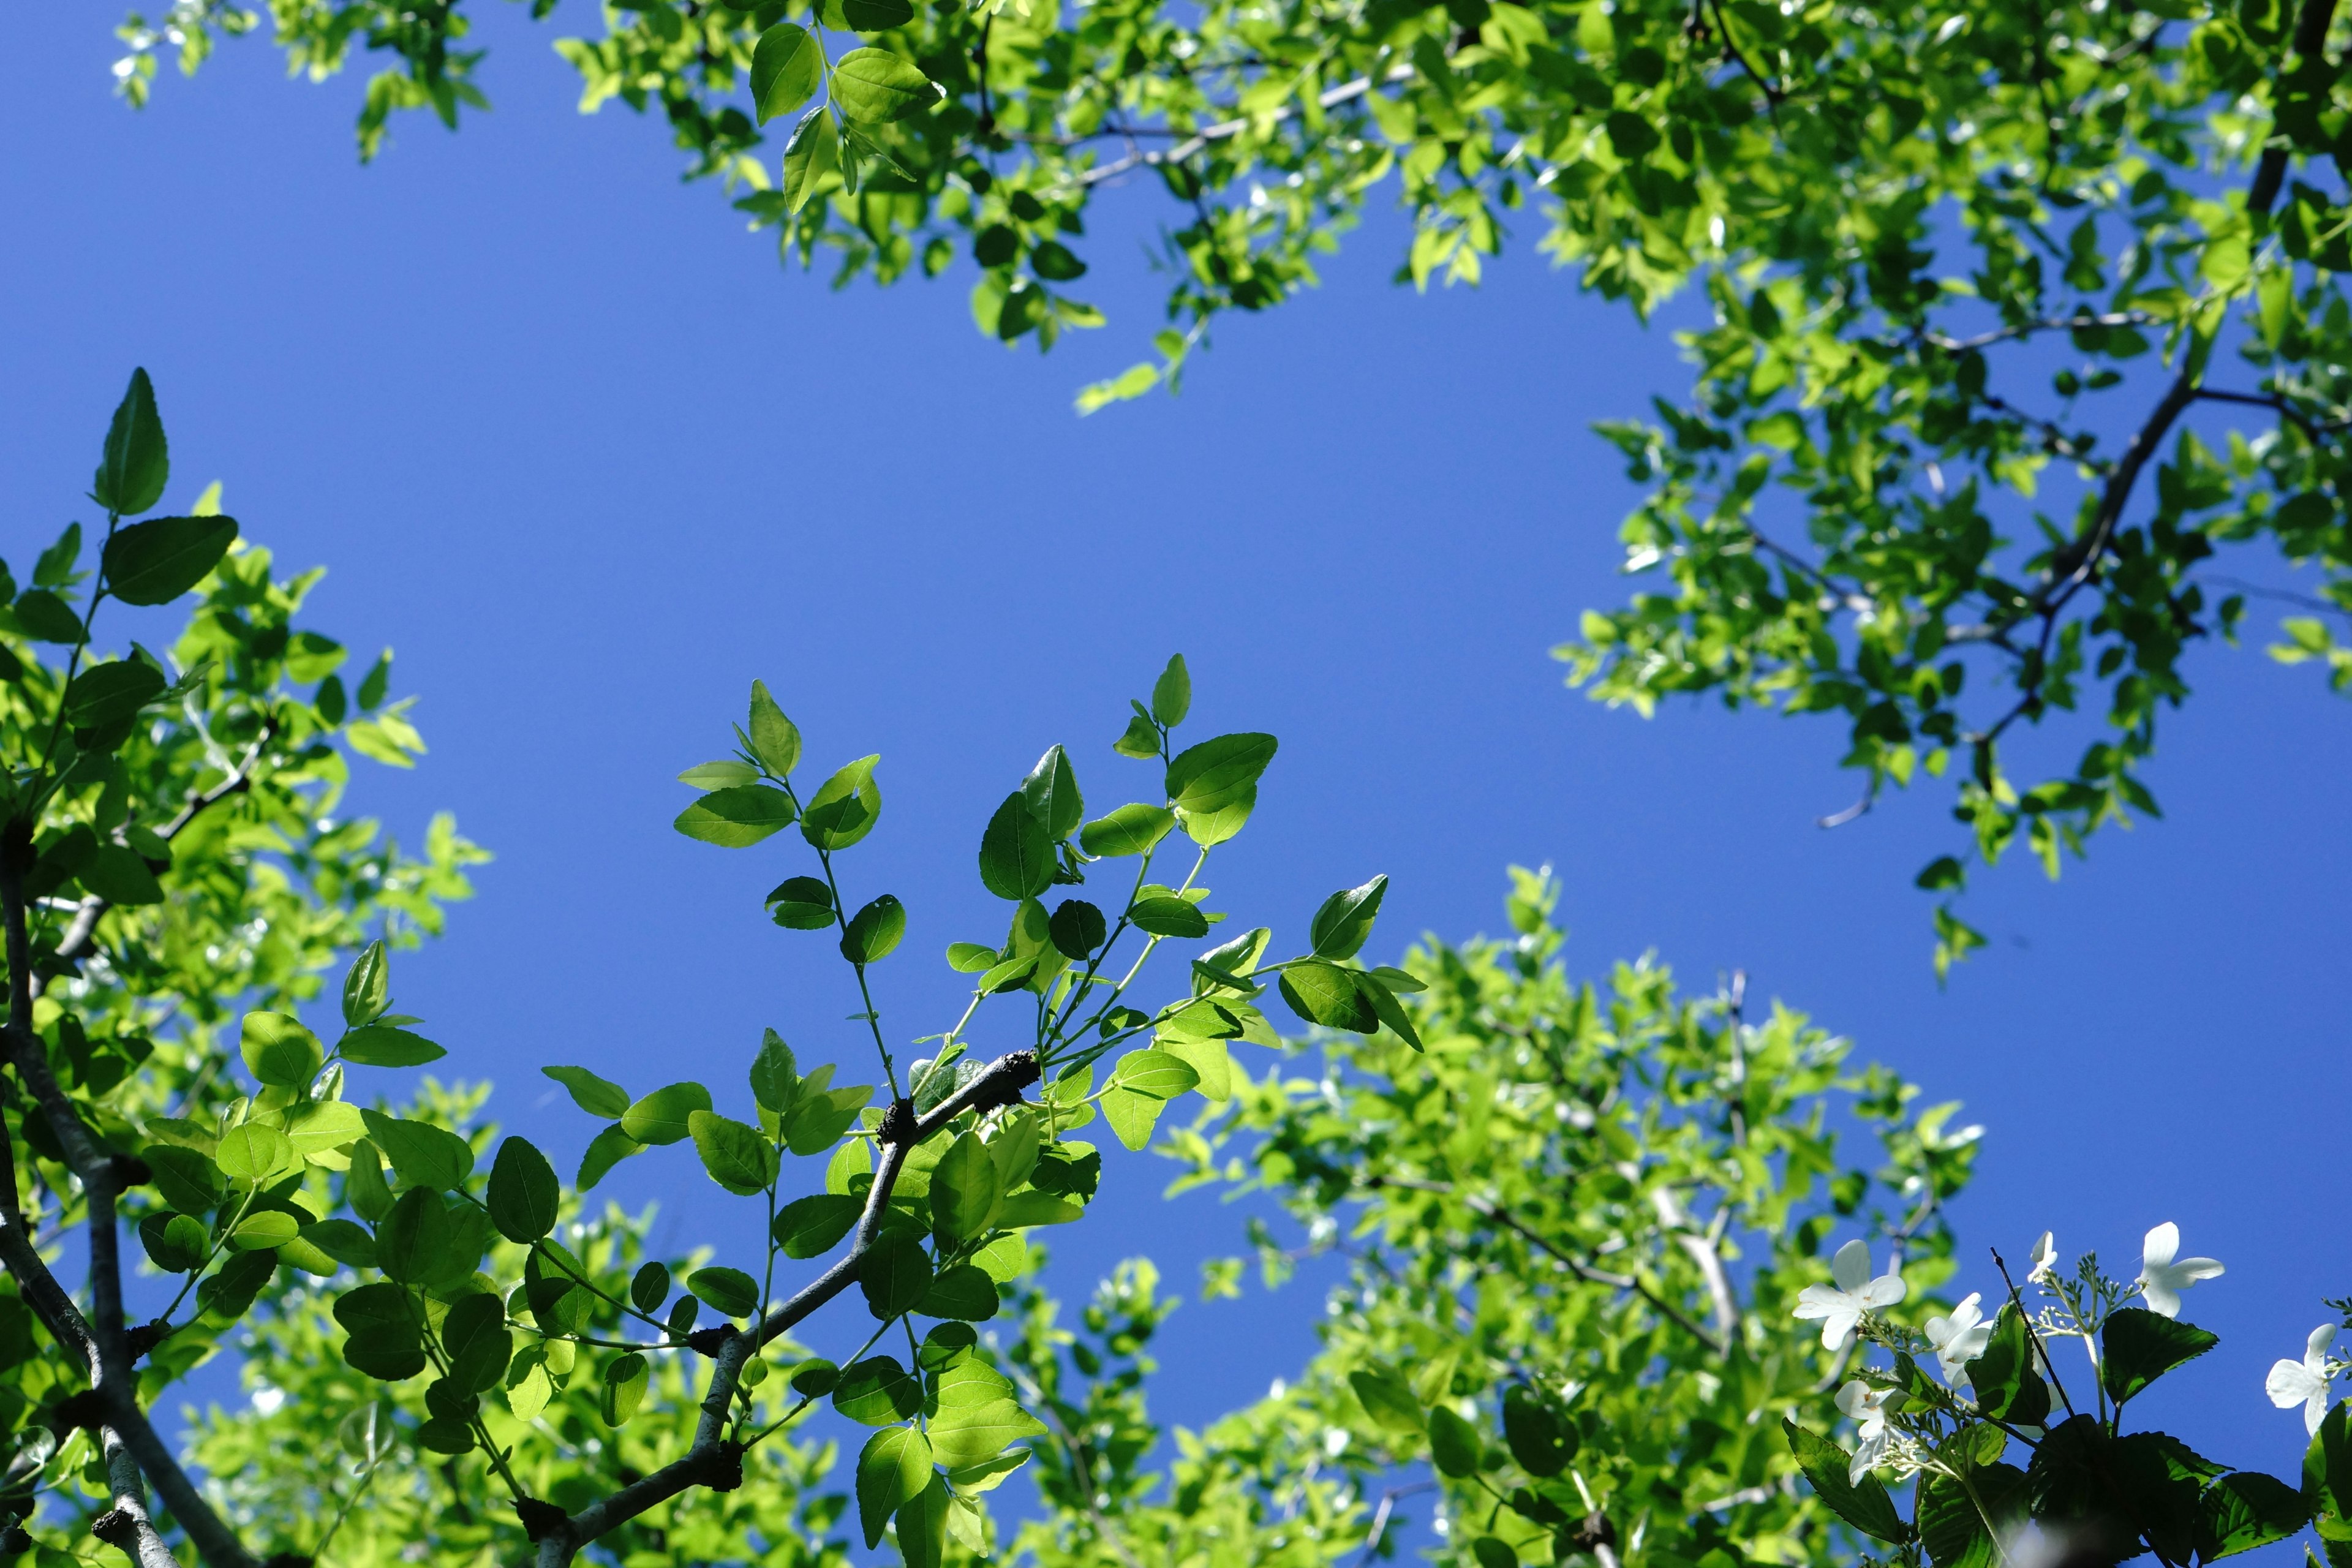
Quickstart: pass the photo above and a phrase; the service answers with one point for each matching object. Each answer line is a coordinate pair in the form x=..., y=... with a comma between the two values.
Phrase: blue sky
x=582, y=452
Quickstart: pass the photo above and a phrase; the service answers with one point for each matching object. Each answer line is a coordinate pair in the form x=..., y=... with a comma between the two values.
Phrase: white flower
x=2161, y=1279
x=1841, y=1306
x=1867, y=1406
x=2044, y=1259
x=2304, y=1383
x=1960, y=1338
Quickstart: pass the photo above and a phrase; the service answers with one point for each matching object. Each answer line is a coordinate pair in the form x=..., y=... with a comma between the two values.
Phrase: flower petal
x=2161, y=1246
x=1851, y=1267
x=2315, y=1349
x=2291, y=1383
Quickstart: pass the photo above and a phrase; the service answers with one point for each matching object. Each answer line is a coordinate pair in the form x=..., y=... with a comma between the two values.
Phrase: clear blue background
x=575, y=445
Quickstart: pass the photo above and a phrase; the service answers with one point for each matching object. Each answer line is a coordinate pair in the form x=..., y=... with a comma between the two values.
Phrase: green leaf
x=110, y=694
x=424, y=1155
x=1021, y=1210
x=847, y=805
x=1016, y=852
x=1490, y=1552
x=733, y=1292
x=592, y=1094
x=1455, y=1447
x=2138, y=1346
x=364, y=1188
x=2002, y=1377
x=894, y=1467
x=877, y=15
x=230, y=1292
x=367, y=987
x=386, y=1332
x=155, y=562
x=1131, y=1115
x=2242, y=1511
x=818, y=1122
x=1387, y=1009
x=48, y=618
x=1951, y=1520
x=894, y=1274
x=970, y=958
x=874, y=931
x=118, y=875
x=1867, y=1507
x=136, y=462
x=876, y=1392
x=343, y=1241
x=738, y=817
x=523, y=1192
x=787, y=67
x=965, y=1188
x=814, y=153
x=2327, y=1472
x=473, y=1335
x=922, y=1519
x=1130, y=830
x=414, y=1241
x=1171, y=694
x=1052, y=791
x=174, y=1243
x=967, y=1435
x=1327, y=994
x=253, y=1155
x=1078, y=929
x=626, y=1376
x=605, y=1150
x=801, y=903
x=1162, y=1074
x=187, y=1178
x=963, y=1292
x=1140, y=740
x=775, y=1079
x=1164, y=916
x=723, y=774
x=738, y=1157
x=1538, y=1439
x=270, y=1228
x=1387, y=1398
x=662, y=1116
x=812, y=1226
x=378, y=1045
x=279, y=1051
x=1345, y=922
x=875, y=86
x=1218, y=772
x=1210, y=828
x=649, y=1286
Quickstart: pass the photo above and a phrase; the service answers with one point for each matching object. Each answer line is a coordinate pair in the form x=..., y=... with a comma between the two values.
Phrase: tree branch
x=713, y=1459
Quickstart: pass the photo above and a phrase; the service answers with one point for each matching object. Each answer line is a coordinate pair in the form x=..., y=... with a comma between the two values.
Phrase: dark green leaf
x=343, y=1241
x=230, y=1292
x=592, y=1094
x=523, y=1192
x=649, y=1288
x=1341, y=926
x=188, y=1179
x=812, y=1226
x=136, y=461
x=1078, y=929
x=108, y=693
x=117, y=874
x=1455, y=1447
x=2242, y=1511
x=1866, y=1507
x=626, y=1376
x=155, y=562
x=774, y=1081
x=947, y=1344
x=814, y=1378
x=922, y=1519
x=801, y=903
x=877, y=15
x=2138, y=1346
x=1218, y=772
x=874, y=931
x=1952, y=1523
x=1165, y=916
x=174, y=1243
x=48, y=618
x=385, y=1330
x=476, y=1339
x=377, y=1046
x=2002, y=1376
x=1537, y=1438
x=962, y=1291
x=738, y=817
x=662, y=1117
x=734, y=1293
x=605, y=1150
x=894, y=1274
x=416, y=1240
